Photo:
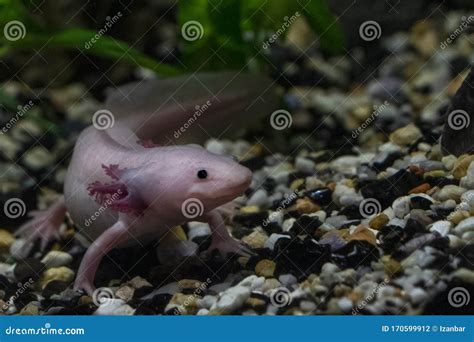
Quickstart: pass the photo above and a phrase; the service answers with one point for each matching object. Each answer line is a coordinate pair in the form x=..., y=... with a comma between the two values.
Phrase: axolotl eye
x=202, y=174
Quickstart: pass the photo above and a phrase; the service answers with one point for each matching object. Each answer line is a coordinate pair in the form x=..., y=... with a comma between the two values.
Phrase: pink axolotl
x=129, y=181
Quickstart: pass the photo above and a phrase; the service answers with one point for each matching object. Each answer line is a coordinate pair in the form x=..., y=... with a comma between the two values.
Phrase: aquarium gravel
x=353, y=209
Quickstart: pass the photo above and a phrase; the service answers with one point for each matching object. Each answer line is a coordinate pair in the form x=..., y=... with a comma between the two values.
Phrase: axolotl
x=128, y=167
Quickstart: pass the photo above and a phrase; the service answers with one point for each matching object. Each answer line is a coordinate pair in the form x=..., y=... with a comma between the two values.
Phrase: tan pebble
x=459, y=215
x=379, y=221
x=243, y=261
x=449, y=161
x=57, y=273
x=461, y=165
x=420, y=189
x=30, y=310
x=265, y=268
x=125, y=292
x=296, y=184
x=435, y=174
x=6, y=240
x=255, y=302
x=174, y=234
x=251, y=209
x=187, y=284
x=85, y=300
x=406, y=135
x=306, y=206
x=256, y=239
x=270, y=284
x=392, y=267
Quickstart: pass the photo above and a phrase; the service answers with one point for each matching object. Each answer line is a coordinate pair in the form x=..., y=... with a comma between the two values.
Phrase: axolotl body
x=129, y=182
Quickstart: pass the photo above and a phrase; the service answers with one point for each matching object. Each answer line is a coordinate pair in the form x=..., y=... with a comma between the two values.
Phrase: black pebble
x=356, y=253
x=389, y=189
x=320, y=196
x=418, y=202
x=306, y=225
x=251, y=220
x=28, y=268
x=300, y=257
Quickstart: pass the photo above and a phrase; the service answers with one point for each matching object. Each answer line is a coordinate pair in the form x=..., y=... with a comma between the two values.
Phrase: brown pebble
x=423, y=188
x=306, y=206
x=361, y=233
x=379, y=221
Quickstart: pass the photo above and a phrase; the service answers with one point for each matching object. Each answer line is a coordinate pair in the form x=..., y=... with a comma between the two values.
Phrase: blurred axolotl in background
x=129, y=168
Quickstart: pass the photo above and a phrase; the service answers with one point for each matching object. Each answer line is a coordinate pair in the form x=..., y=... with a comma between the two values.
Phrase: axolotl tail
x=192, y=108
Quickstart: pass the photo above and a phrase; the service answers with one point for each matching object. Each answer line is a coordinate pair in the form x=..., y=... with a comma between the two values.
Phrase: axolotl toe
x=123, y=188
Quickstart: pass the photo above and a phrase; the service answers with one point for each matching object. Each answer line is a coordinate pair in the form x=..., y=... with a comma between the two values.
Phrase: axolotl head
x=190, y=178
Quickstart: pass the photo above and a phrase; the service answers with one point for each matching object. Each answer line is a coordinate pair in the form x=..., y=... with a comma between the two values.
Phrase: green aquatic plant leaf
x=28, y=34
x=322, y=21
x=211, y=34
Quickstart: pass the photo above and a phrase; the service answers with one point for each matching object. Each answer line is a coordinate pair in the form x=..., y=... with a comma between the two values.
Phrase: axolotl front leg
x=221, y=240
